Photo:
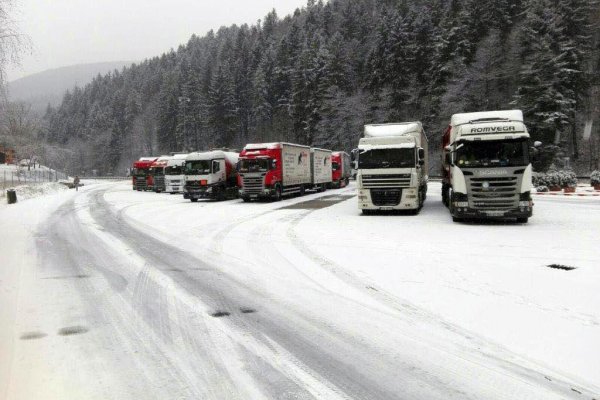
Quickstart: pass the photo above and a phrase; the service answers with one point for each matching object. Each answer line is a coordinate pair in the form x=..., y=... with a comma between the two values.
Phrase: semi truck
x=141, y=173
x=320, y=169
x=157, y=174
x=486, y=166
x=341, y=169
x=273, y=170
x=211, y=175
x=174, y=176
x=392, y=167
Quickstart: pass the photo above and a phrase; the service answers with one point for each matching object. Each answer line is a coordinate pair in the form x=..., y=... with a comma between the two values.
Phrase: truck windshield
x=174, y=170
x=139, y=171
x=254, y=165
x=157, y=171
x=493, y=153
x=387, y=158
x=198, y=167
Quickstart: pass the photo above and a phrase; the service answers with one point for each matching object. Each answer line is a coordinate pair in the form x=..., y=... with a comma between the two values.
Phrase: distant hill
x=49, y=86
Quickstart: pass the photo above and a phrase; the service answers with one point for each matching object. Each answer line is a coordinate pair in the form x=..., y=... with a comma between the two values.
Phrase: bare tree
x=12, y=43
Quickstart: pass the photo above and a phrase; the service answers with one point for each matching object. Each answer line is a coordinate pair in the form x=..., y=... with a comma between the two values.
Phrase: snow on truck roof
x=466, y=118
x=214, y=154
x=393, y=129
x=270, y=146
x=369, y=146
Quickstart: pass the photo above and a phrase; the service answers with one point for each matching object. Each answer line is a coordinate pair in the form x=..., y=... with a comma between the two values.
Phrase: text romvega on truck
x=486, y=166
x=392, y=167
x=272, y=170
x=211, y=175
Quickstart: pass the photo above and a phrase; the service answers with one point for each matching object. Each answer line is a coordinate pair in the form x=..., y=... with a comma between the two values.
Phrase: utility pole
x=184, y=101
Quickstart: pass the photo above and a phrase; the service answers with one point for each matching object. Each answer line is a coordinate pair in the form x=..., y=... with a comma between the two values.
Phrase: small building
x=7, y=156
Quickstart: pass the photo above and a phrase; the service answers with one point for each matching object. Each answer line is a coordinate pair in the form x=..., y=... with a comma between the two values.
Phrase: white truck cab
x=211, y=175
x=174, y=176
x=393, y=167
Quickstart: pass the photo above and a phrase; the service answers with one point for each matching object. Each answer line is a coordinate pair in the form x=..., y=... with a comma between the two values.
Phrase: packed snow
x=113, y=293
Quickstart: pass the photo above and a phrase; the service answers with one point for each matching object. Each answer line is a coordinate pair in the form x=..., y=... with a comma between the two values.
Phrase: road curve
x=151, y=319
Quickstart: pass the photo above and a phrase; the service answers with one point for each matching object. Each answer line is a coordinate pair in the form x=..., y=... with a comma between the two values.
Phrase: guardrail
x=107, y=178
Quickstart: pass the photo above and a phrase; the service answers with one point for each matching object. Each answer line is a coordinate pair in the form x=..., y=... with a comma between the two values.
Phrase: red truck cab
x=340, y=169
x=141, y=173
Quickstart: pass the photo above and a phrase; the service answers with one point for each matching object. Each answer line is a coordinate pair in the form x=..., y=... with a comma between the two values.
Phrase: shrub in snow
x=553, y=179
x=567, y=179
x=595, y=178
x=539, y=179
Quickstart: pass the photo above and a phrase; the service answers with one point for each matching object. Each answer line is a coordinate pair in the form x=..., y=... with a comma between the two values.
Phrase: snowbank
x=29, y=191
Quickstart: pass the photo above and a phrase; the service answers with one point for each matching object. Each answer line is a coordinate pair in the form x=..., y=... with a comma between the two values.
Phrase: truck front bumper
x=408, y=199
x=467, y=212
x=198, y=194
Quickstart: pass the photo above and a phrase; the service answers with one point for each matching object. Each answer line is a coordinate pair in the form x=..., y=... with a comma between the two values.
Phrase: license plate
x=495, y=213
x=253, y=196
x=386, y=208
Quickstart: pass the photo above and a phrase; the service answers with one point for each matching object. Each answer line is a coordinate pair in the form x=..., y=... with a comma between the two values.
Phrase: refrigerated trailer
x=486, y=166
x=320, y=169
x=273, y=170
x=392, y=167
x=211, y=175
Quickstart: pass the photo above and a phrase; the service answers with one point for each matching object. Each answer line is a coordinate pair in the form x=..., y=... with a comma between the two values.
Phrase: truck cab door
x=218, y=169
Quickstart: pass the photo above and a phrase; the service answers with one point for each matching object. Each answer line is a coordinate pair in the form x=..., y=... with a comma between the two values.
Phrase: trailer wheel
x=302, y=190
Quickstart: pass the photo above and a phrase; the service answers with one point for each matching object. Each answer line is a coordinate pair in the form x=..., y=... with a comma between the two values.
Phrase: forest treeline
x=317, y=76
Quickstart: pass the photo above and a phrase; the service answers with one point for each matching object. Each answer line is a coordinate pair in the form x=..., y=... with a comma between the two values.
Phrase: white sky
x=68, y=32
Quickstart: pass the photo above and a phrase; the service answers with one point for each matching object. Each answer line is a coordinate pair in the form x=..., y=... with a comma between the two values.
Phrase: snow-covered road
x=114, y=294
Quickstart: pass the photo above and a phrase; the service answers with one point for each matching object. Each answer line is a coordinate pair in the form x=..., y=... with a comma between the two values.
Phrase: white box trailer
x=320, y=164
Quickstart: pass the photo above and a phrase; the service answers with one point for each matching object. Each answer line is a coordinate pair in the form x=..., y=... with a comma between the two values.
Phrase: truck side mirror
x=421, y=153
x=273, y=164
x=215, y=167
x=448, y=158
x=421, y=162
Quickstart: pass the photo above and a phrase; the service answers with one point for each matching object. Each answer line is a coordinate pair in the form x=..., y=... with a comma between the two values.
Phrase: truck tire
x=522, y=220
x=367, y=212
x=193, y=200
x=246, y=199
x=456, y=219
x=277, y=195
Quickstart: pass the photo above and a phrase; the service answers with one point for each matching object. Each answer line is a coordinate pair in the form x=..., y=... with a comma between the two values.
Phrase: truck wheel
x=456, y=219
x=246, y=199
x=346, y=182
x=277, y=196
x=522, y=220
x=193, y=200
x=367, y=212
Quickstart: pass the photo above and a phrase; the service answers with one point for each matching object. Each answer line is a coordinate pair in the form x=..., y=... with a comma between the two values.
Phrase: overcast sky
x=68, y=32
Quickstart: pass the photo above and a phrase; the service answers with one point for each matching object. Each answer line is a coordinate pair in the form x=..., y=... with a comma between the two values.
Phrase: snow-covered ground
x=112, y=293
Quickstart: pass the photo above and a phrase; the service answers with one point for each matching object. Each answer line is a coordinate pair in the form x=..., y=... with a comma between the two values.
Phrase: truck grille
x=501, y=193
x=175, y=182
x=385, y=181
x=252, y=185
x=140, y=182
x=193, y=185
x=159, y=182
x=382, y=197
